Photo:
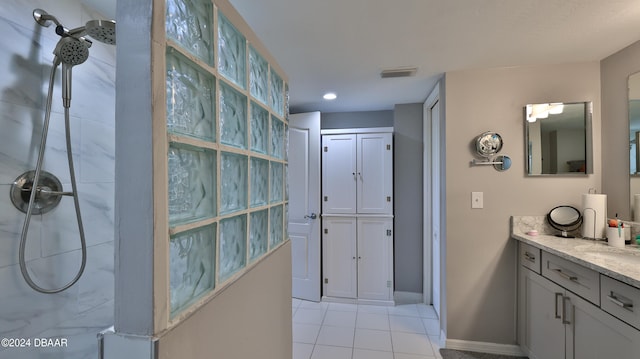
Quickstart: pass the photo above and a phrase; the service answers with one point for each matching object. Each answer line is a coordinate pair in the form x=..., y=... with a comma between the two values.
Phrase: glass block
x=258, y=234
x=275, y=223
x=231, y=52
x=189, y=23
x=190, y=98
x=233, y=245
x=286, y=182
x=191, y=266
x=192, y=183
x=286, y=222
x=286, y=142
x=233, y=117
x=258, y=76
x=277, y=138
x=259, y=128
x=276, y=182
x=259, y=182
x=277, y=96
x=286, y=100
x=233, y=178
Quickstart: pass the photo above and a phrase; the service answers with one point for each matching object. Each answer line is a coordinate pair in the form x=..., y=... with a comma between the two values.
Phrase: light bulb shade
x=556, y=108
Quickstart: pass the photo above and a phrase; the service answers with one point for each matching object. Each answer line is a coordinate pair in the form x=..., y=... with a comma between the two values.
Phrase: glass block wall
x=226, y=124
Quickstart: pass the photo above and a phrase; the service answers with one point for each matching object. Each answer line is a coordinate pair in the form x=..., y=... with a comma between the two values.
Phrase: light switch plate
x=477, y=200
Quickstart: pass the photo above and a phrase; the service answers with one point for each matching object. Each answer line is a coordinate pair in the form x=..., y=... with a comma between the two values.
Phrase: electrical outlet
x=477, y=200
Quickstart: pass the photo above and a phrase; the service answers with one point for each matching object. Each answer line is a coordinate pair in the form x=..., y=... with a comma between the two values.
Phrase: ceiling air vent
x=399, y=72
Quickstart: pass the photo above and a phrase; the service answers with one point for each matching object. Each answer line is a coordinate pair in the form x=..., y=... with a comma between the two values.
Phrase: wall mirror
x=558, y=138
x=634, y=137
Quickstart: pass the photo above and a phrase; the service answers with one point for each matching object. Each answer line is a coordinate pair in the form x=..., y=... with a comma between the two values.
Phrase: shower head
x=72, y=51
x=102, y=30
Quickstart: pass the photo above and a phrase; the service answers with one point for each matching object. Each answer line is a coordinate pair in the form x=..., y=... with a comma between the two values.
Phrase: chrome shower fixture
x=101, y=30
x=73, y=47
x=37, y=191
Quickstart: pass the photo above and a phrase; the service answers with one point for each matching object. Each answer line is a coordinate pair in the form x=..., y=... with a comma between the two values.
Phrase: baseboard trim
x=407, y=297
x=484, y=347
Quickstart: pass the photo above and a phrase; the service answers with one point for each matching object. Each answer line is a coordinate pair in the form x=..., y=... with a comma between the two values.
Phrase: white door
x=435, y=203
x=375, y=173
x=374, y=258
x=432, y=188
x=340, y=257
x=304, y=204
x=339, y=173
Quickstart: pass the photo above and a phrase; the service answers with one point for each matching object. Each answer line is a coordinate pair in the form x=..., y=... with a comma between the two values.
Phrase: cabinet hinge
x=388, y=147
x=389, y=232
x=326, y=280
x=326, y=231
x=326, y=149
x=388, y=198
x=388, y=284
x=326, y=198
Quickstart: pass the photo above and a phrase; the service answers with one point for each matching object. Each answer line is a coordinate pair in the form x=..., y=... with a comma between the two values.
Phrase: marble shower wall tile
x=52, y=258
x=97, y=152
x=11, y=221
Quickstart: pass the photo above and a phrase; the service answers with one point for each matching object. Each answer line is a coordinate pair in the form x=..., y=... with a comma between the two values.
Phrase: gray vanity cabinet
x=554, y=322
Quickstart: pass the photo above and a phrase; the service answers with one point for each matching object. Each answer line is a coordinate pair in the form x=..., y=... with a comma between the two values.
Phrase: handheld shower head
x=102, y=30
x=70, y=51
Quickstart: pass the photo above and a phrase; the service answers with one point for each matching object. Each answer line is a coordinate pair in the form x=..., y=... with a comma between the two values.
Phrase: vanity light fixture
x=330, y=96
x=543, y=110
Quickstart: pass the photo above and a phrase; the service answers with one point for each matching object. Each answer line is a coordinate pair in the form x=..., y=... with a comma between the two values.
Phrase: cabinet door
x=375, y=243
x=594, y=334
x=339, y=173
x=375, y=173
x=339, y=257
x=544, y=332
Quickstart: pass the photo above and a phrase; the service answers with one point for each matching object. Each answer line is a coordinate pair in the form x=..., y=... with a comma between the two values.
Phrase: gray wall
x=331, y=120
x=615, y=71
x=53, y=246
x=480, y=256
x=407, y=174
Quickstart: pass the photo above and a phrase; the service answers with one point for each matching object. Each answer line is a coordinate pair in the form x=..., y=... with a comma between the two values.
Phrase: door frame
x=432, y=99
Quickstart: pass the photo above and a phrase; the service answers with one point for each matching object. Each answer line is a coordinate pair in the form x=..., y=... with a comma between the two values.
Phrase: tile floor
x=350, y=331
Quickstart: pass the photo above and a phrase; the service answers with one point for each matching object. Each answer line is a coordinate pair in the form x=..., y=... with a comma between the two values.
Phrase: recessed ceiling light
x=330, y=96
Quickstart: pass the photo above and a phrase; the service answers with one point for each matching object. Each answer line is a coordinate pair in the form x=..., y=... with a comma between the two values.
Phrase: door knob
x=312, y=216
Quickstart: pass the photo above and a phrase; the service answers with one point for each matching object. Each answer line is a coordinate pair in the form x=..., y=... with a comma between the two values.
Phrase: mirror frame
x=633, y=177
x=588, y=117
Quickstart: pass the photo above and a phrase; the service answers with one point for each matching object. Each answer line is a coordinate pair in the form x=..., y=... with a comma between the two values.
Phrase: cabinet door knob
x=312, y=216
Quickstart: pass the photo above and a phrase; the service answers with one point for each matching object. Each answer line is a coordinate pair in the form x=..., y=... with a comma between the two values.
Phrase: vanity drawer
x=620, y=300
x=576, y=278
x=530, y=257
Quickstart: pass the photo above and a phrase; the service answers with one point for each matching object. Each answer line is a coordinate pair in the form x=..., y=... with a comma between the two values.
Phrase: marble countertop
x=622, y=264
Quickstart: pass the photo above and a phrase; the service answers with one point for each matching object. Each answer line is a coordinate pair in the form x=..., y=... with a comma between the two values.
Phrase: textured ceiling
x=342, y=45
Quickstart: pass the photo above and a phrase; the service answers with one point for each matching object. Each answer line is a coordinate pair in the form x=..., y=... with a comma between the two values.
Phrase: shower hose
x=35, y=190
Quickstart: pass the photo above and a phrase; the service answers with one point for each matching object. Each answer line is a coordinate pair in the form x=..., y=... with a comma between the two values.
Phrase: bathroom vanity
x=577, y=298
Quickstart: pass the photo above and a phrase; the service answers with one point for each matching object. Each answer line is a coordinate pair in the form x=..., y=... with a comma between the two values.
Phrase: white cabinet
x=357, y=256
x=339, y=257
x=357, y=173
x=554, y=322
x=357, y=215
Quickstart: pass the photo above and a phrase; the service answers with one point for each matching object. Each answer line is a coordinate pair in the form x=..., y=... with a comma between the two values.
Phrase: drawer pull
x=530, y=257
x=565, y=275
x=558, y=295
x=564, y=310
x=612, y=297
